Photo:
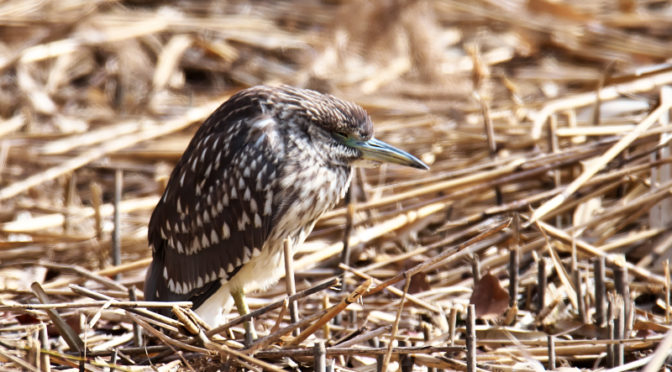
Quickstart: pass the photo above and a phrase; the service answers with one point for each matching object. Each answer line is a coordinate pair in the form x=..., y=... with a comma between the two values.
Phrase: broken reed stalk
x=611, y=333
x=452, y=324
x=137, y=332
x=70, y=191
x=116, y=235
x=320, y=355
x=551, y=352
x=96, y=202
x=514, y=269
x=406, y=361
x=619, y=333
x=621, y=285
x=475, y=268
x=600, y=291
x=44, y=342
x=576, y=278
x=471, y=338
x=325, y=305
x=541, y=284
x=668, y=309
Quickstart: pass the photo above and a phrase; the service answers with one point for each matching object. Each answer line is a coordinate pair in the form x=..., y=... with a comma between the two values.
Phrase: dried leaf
x=418, y=284
x=490, y=299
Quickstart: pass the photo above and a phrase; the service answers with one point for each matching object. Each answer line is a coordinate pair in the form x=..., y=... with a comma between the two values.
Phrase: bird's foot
x=250, y=333
x=241, y=305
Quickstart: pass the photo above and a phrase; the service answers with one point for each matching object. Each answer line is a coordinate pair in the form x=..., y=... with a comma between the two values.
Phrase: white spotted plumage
x=226, y=232
x=259, y=171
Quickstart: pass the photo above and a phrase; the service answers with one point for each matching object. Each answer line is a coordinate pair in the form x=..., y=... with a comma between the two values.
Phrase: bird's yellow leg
x=241, y=305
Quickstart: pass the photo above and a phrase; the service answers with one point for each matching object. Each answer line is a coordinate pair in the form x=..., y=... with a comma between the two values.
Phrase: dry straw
x=554, y=111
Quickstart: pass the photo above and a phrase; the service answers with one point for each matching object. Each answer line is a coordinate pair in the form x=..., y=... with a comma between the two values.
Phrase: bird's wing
x=217, y=210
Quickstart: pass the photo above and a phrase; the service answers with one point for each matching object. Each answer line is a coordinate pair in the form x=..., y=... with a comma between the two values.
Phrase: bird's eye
x=341, y=134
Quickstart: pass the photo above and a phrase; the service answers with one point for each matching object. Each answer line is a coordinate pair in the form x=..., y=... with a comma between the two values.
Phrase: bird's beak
x=381, y=152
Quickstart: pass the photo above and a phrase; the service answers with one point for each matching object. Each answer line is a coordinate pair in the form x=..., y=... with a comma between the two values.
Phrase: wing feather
x=216, y=204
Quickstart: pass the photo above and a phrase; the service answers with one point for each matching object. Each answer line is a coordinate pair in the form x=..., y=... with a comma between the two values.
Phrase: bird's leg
x=241, y=305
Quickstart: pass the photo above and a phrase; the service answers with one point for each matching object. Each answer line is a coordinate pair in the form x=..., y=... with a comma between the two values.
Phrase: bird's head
x=345, y=130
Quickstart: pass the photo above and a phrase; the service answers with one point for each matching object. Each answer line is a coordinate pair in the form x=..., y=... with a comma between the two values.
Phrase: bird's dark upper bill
x=379, y=151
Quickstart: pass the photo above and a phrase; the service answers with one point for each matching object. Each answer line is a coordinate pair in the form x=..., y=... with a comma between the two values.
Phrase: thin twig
x=331, y=313
x=395, y=326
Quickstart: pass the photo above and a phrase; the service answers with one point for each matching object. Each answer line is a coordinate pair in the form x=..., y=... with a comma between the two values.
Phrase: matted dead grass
x=546, y=126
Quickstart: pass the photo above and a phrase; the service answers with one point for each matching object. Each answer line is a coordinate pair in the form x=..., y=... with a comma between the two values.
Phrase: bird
x=259, y=171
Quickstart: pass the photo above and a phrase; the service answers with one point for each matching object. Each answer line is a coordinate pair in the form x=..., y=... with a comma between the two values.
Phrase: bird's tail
x=212, y=301
x=156, y=288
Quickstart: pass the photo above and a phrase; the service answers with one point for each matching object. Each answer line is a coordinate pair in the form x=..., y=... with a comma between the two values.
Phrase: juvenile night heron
x=261, y=169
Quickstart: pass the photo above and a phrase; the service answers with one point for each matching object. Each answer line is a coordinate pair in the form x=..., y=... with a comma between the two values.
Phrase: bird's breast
x=307, y=195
